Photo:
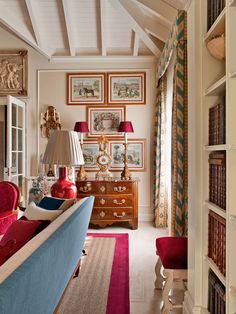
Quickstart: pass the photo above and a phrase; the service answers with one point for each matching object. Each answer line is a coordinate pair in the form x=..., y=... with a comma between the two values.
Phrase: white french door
x=15, y=141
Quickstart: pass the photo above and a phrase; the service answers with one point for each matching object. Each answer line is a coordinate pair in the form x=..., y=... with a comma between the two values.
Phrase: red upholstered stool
x=171, y=265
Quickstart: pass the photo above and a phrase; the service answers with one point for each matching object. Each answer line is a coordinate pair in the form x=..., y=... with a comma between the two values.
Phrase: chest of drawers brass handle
x=102, y=214
x=102, y=189
x=85, y=189
x=102, y=201
x=120, y=189
x=119, y=203
x=115, y=214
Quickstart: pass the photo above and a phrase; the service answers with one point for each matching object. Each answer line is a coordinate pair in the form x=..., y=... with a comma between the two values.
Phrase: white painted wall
x=47, y=86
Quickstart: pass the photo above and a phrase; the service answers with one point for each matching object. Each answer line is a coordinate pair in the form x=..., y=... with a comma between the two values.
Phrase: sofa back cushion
x=54, y=203
x=21, y=231
x=33, y=212
x=6, y=250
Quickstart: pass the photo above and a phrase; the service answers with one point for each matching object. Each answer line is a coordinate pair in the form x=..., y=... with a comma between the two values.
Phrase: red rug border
x=118, y=296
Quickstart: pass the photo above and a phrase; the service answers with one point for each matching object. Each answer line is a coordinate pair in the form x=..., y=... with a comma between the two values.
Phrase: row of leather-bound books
x=214, y=8
x=216, y=295
x=217, y=179
x=217, y=124
x=217, y=240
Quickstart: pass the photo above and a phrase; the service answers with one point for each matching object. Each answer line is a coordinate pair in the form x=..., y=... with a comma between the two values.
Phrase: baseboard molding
x=145, y=214
x=189, y=308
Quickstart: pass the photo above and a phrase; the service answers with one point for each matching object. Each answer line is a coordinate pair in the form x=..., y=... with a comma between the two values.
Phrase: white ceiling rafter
x=163, y=11
x=177, y=4
x=156, y=29
x=10, y=22
x=136, y=21
x=68, y=27
x=31, y=10
x=103, y=27
x=136, y=45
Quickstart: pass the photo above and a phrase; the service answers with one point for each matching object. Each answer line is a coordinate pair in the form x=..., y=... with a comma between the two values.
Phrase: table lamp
x=63, y=149
x=126, y=127
x=81, y=127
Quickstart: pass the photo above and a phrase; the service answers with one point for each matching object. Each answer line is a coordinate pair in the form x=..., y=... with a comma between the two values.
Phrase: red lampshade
x=81, y=126
x=126, y=127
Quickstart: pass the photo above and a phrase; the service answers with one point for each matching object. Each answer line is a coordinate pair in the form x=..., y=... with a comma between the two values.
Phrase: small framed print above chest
x=116, y=200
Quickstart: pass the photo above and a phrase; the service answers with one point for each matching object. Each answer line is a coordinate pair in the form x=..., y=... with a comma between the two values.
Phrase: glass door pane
x=15, y=141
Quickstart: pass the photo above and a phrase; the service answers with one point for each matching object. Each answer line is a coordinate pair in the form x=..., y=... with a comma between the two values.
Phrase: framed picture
x=13, y=72
x=85, y=88
x=136, y=154
x=90, y=152
x=105, y=120
x=126, y=88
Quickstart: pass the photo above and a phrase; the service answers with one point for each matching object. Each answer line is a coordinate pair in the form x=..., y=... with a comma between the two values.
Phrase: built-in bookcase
x=219, y=156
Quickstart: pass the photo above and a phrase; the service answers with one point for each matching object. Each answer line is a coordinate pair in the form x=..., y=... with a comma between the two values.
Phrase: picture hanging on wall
x=105, y=120
x=136, y=154
x=126, y=88
x=90, y=152
x=85, y=88
x=13, y=72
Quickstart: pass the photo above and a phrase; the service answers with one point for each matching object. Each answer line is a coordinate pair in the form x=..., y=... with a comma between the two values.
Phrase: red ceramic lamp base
x=63, y=188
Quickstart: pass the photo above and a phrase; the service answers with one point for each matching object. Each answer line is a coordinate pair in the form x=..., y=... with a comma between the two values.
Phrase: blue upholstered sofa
x=33, y=280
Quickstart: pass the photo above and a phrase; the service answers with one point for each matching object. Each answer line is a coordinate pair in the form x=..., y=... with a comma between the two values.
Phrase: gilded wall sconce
x=50, y=120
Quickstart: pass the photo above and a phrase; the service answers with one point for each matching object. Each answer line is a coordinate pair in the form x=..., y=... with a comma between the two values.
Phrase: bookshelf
x=218, y=78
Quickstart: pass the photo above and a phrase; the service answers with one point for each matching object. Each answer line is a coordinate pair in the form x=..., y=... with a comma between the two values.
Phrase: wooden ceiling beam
x=103, y=27
x=32, y=14
x=131, y=13
x=165, y=13
x=65, y=5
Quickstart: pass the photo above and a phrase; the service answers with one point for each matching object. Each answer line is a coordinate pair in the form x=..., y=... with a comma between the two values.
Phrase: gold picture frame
x=126, y=88
x=13, y=72
x=86, y=88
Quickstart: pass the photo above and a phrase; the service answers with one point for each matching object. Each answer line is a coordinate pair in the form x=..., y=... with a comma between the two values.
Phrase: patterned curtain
x=160, y=188
x=176, y=44
x=179, y=189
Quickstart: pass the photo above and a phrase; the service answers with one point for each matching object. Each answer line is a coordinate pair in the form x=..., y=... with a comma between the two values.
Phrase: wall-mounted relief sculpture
x=13, y=72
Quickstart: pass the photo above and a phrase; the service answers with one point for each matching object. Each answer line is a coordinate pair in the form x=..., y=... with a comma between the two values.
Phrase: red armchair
x=9, y=199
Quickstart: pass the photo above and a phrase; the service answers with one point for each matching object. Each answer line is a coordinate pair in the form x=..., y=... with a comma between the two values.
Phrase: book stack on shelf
x=216, y=295
x=217, y=179
x=214, y=8
x=217, y=240
x=217, y=124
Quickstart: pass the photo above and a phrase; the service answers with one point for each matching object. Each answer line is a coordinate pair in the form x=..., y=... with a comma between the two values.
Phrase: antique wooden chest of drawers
x=115, y=200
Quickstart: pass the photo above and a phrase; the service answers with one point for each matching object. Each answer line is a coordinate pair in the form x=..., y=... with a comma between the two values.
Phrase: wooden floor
x=144, y=299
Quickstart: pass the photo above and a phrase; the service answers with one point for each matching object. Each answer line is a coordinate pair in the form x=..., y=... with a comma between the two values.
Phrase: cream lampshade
x=63, y=149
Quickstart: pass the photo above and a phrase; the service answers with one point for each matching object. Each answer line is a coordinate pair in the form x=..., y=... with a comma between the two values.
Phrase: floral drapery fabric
x=176, y=44
x=160, y=188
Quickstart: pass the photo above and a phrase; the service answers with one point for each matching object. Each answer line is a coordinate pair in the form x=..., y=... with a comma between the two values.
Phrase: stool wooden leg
x=167, y=305
x=159, y=278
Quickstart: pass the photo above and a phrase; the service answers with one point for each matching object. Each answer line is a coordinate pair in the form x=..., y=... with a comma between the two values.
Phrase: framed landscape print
x=105, y=120
x=136, y=155
x=85, y=88
x=90, y=152
x=126, y=88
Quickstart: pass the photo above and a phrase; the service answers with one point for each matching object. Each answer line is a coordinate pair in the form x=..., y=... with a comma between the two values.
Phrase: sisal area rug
x=102, y=286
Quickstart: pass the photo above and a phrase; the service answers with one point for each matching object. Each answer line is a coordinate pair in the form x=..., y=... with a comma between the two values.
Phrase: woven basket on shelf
x=216, y=47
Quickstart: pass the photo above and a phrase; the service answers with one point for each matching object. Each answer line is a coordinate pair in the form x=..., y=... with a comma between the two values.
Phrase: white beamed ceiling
x=83, y=28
